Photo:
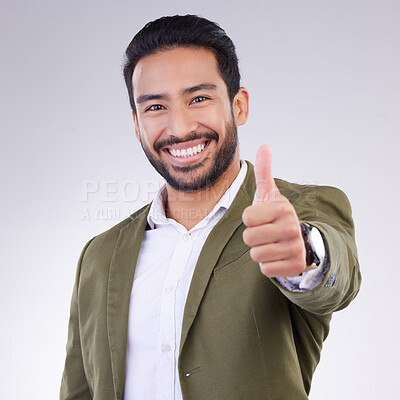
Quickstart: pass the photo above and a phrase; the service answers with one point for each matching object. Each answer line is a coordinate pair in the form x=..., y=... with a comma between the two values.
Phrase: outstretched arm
x=273, y=231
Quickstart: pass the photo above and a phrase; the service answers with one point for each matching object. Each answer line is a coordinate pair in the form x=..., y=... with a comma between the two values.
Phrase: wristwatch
x=314, y=243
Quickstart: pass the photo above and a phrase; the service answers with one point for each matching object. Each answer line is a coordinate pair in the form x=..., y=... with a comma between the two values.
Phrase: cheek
x=213, y=120
x=150, y=130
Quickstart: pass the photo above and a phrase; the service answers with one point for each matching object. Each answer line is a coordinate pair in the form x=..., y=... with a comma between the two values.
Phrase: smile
x=188, y=152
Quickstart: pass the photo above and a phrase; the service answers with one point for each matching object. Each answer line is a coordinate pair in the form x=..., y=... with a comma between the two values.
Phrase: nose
x=181, y=122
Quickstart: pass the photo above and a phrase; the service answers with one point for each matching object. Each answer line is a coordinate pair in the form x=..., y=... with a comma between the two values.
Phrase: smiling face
x=184, y=120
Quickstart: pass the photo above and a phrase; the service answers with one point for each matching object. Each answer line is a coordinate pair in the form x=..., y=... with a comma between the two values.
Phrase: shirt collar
x=156, y=215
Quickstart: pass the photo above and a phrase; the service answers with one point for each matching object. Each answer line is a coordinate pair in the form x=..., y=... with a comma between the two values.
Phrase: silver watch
x=314, y=243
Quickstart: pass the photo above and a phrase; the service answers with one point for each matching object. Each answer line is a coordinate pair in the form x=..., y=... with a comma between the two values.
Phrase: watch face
x=316, y=242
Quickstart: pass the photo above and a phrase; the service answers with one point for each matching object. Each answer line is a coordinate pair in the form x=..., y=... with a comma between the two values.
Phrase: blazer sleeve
x=74, y=384
x=328, y=209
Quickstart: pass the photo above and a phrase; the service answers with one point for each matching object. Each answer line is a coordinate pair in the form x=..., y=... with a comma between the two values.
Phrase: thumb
x=266, y=189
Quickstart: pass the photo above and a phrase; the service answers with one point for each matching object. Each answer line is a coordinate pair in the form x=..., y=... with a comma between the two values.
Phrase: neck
x=189, y=208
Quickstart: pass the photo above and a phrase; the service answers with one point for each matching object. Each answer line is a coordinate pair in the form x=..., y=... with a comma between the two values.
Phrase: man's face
x=184, y=121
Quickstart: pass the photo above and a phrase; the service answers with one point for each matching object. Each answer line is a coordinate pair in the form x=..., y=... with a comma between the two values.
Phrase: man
x=182, y=300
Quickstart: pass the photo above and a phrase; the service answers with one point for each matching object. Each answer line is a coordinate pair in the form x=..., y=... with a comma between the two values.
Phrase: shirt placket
x=167, y=335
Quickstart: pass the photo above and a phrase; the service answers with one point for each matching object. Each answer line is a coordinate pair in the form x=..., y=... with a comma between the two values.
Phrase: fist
x=273, y=230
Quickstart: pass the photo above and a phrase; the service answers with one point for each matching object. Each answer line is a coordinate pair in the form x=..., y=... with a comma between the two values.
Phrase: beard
x=193, y=181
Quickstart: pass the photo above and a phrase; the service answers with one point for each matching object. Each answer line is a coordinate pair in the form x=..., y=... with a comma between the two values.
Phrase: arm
x=74, y=385
x=329, y=210
x=277, y=245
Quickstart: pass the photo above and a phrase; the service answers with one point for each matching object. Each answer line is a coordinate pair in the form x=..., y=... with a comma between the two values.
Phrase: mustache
x=159, y=144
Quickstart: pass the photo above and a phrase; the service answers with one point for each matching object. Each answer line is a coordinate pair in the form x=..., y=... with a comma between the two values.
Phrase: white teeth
x=183, y=153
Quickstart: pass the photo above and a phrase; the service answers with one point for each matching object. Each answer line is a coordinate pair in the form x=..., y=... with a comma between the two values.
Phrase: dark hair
x=170, y=32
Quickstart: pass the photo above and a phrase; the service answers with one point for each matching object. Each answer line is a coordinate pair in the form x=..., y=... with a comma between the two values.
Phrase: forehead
x=172, y=70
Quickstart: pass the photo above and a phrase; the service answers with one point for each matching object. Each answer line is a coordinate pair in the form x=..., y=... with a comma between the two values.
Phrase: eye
x=155, y=107
x=199, y=99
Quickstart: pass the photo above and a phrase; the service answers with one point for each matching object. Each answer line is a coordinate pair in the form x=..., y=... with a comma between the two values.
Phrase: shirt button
x=169, y=289
x=187, y=237
x=165, y=348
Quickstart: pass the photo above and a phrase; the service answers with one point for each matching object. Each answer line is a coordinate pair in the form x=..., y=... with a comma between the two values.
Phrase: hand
x=273, y=230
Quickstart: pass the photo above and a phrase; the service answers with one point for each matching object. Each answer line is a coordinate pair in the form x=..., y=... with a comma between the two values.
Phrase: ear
x=241, y=106
x=135, y=121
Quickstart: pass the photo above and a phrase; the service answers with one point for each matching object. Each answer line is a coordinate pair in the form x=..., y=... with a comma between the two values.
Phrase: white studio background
x=325, y=94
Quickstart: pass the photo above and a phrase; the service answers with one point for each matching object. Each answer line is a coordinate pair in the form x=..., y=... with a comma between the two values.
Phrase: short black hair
x=175, y=31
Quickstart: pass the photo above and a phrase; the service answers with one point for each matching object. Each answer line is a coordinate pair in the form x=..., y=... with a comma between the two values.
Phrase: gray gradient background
x=325, y=94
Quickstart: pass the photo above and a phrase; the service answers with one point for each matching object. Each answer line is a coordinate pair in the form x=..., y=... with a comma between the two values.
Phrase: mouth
x=187, y=152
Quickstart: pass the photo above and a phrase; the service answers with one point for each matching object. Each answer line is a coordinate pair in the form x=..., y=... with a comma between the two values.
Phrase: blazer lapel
x=215, y=243
x=120, y=282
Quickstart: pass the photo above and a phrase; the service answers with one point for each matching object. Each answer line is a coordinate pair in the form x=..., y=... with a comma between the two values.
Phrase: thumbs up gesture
x=273, y=230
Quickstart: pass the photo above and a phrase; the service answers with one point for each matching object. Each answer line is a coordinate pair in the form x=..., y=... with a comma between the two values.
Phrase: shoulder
x=295, y=191
x=326, y=207
x=321, y=203
x=313, y=195
x=102, y=245
x=302, y=195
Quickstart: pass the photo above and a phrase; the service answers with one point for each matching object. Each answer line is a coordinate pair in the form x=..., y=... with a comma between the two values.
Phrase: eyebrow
x=150, y=97
x=201, y=86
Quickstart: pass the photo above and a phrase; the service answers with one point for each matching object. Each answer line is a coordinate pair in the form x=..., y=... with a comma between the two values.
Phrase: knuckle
x=290, y=230
x=300, y=248
x=280, y=207
x=296, y=248
x=285, y=207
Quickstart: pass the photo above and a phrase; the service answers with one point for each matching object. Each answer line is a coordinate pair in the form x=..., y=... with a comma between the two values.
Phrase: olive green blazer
x=243, y=335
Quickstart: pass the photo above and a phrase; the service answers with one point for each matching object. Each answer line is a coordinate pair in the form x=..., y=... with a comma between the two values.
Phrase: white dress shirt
x=167, y=259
